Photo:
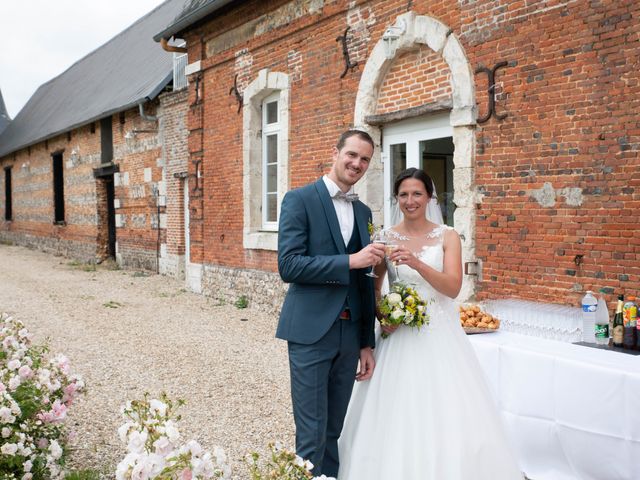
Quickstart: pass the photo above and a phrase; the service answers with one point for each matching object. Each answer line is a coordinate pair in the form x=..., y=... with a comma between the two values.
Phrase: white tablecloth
x=572, y=412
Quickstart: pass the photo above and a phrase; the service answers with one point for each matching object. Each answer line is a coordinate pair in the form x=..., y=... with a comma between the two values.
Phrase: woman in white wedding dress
x=427, y=413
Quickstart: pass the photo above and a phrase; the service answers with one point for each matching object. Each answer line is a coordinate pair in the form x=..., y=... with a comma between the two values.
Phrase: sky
x=42, y=38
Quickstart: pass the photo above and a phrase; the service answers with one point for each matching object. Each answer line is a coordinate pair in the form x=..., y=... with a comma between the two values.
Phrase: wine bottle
x=618, y=324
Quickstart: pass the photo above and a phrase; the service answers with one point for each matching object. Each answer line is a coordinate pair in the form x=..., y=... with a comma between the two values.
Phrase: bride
x=427, y=413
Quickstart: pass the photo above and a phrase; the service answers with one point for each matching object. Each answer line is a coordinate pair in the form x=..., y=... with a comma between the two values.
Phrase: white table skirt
x=572, y=412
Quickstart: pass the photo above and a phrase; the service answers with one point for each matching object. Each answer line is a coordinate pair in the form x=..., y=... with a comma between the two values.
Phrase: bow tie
x=348, y=197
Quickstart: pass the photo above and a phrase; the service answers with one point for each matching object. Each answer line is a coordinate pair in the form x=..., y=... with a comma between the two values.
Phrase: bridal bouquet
x=403, y=306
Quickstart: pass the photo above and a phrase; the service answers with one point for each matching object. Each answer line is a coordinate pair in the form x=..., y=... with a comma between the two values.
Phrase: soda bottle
x=589, y=305
x=602, y=322
x=630, y=319
x=618, y=323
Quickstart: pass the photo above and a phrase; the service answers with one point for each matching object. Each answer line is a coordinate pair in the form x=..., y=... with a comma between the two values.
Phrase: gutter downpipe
x=148, y=118
x=171, y=48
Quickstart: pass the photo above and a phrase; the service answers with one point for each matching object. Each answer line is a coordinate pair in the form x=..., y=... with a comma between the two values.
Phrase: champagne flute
x=381, y=238
x=390, y=247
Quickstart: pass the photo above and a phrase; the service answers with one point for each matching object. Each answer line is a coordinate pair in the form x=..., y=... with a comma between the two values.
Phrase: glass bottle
x=618, y=323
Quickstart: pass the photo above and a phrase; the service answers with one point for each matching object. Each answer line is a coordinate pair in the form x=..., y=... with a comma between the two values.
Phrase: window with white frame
x=270, y=156
x=265, y=154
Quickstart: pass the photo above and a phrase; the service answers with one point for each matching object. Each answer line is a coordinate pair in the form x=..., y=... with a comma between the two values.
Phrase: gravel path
x=128, y=333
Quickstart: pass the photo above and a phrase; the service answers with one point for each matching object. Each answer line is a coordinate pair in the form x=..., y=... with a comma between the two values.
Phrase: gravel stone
x=127, y=333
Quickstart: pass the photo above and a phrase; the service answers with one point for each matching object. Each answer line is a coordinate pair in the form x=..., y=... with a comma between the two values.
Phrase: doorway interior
x=425, y=143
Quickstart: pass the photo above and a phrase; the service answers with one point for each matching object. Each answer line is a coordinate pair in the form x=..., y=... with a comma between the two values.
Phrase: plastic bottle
x=602, y=322
x=589, y=306
x=630, y=316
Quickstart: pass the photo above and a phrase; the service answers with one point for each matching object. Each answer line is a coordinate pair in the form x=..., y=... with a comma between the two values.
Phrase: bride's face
x=413, y=198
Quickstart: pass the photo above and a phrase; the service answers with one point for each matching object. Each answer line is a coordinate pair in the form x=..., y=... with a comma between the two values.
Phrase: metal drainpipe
x=171, y=48
x=149, y=118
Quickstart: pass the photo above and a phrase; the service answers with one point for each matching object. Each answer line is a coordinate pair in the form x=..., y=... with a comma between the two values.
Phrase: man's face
x=350, y=162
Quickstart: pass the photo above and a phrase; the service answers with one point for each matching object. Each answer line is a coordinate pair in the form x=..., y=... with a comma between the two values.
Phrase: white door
x=423, y=142
x=187, y=236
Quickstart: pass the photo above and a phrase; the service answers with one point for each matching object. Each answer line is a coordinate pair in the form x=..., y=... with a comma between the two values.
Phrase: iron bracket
x=491, y=74
x=236, y=92
x=348, y=65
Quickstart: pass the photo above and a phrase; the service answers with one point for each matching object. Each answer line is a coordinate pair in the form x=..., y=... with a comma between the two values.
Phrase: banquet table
x=571, y=412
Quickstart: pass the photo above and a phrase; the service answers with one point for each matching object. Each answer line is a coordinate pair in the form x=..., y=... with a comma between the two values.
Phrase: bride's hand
x=389, y=329
x=403, y=256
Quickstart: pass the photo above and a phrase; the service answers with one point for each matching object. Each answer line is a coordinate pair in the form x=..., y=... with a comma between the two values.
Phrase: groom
x=328, y=314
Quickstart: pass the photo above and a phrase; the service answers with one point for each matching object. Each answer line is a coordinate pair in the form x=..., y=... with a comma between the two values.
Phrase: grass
x=242, y=302
x=112, y=304
x=83, y=475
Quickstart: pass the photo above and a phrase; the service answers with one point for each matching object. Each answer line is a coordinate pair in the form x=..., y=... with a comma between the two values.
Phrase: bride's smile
x=413, y=198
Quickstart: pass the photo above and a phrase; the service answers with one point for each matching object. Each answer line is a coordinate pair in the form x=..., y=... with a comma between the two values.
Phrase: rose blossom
x=9, y=448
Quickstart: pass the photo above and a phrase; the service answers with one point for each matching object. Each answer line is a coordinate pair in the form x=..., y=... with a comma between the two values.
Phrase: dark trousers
x=322, y=376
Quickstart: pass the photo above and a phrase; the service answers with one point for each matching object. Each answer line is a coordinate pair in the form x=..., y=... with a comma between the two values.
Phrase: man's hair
x=350, y=133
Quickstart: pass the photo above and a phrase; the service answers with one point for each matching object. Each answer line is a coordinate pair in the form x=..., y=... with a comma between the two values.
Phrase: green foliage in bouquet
x=403, y=306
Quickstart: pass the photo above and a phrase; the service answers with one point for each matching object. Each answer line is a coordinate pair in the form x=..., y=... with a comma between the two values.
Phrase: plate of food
x=474, y=320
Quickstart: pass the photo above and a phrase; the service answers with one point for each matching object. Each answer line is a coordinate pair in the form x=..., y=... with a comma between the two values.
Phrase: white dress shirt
x=344, y=210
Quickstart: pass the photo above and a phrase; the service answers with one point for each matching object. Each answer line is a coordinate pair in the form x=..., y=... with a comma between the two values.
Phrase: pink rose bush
x=35, y=394
x=154, y=449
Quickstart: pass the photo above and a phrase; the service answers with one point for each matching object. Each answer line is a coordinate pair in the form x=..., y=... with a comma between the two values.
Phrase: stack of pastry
x=472, y=317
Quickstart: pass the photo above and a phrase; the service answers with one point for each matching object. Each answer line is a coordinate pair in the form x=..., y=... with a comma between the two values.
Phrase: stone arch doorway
x=419, y=32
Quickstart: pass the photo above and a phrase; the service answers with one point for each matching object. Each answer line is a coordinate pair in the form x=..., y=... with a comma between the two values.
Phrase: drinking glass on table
x=380, y=237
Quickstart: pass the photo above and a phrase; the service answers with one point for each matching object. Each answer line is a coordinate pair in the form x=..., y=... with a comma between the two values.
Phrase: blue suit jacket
x=312, y=258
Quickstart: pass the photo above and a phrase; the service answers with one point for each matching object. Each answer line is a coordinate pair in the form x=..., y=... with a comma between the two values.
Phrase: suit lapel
x=330, y=213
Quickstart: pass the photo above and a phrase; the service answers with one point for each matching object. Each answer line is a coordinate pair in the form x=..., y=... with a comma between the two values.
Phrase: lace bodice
x=429, y=249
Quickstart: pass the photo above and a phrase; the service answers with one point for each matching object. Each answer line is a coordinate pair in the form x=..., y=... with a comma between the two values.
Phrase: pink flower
x=186, y=474
x=25, y=371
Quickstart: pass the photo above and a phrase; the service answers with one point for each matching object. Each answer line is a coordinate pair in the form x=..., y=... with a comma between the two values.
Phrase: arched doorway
x=418, y=32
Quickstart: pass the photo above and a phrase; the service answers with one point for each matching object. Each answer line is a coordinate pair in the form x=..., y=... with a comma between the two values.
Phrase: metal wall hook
x=236, y=92
x=349, y=65
x=491, y=74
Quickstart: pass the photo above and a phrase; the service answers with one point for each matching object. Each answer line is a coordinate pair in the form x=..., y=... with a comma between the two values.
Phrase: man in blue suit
x=328, y=314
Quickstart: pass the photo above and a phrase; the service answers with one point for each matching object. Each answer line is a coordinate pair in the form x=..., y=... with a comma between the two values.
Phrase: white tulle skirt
x=427, y=413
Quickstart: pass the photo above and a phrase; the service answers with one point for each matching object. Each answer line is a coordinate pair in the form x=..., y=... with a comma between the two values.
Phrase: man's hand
x=369, y=256
x=367, y=364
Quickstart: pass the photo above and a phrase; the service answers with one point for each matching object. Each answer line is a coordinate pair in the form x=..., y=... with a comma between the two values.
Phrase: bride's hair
x=418, y=175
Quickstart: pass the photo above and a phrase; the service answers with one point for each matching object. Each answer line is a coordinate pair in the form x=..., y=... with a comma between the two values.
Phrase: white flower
x=163, y=446
x=26, y=466
x=408, y=318
x=394, y=299
x=25, y=371
x=6, y=432
x=13, y=364
x=194, y=447
x=6, y=416
x=27, y=476
x=397, y=313
x=123, y=431
x=14, y=382
x=221, y=456
x=157, y=407
x=125, y=465
x=9, y=448
x=55, y=450
x=137, y=441
x=171, y=431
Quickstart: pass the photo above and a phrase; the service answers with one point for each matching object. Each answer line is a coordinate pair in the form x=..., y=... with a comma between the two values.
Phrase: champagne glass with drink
x=380, y=236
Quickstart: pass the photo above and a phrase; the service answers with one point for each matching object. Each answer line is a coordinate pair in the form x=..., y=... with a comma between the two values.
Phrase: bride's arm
x=447, y=282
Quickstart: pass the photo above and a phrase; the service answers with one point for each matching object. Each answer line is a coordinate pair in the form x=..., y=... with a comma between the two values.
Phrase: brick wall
x=32, y=196
x=557, y=179
x=140, y=190
x=175, y=153
x=416, y=78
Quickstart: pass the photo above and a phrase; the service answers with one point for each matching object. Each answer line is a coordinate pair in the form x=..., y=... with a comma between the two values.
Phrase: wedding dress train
x=427, y=413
